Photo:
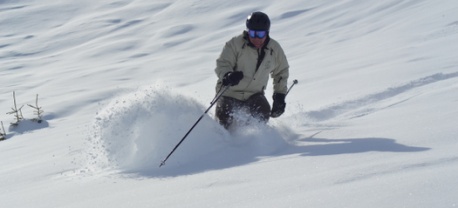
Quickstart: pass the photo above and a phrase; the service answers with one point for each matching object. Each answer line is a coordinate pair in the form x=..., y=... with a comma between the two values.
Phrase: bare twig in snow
x=2, y=133
x=16, y=111
x=38, y=111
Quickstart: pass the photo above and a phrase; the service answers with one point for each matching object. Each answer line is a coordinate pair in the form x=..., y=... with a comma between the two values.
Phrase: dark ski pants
x=257, y=106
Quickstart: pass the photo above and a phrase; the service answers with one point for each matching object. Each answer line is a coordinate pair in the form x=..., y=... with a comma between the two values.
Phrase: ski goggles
x=257, y=34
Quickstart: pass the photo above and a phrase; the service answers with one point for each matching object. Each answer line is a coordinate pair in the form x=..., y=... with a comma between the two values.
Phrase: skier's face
x=257, y=42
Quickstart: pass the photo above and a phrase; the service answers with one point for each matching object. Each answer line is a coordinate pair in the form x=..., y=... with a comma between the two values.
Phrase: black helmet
x=258, y=21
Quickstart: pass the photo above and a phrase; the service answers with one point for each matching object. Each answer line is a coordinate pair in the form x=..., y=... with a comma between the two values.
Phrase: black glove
x=232, y=78
x=279, y=105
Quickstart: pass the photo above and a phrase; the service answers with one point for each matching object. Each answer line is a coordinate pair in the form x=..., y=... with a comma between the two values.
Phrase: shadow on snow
x=238, y=156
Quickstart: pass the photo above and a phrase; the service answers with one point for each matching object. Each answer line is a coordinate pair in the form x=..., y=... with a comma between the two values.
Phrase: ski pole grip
x=294, y=82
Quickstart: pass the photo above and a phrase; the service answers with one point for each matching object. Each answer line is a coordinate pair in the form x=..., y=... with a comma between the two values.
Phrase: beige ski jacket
x=239, y=55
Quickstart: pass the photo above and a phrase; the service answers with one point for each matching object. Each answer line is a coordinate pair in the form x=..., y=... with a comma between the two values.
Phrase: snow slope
x=372, y=122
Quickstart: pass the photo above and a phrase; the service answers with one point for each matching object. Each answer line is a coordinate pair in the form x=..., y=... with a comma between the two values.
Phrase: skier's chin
x=258, y=45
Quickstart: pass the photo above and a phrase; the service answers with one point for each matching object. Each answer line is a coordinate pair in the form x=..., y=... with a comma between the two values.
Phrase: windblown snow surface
x=371, y=123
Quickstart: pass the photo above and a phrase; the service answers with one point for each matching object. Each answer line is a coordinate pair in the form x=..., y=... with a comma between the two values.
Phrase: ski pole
x=195, y=124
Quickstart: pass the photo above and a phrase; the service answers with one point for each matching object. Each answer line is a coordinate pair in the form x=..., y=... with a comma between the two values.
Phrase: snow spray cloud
x=136, y=131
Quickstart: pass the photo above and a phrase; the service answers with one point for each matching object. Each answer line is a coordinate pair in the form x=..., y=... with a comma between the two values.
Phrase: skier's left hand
x=278, y=107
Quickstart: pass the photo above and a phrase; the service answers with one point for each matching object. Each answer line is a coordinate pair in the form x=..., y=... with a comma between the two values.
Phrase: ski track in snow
x=364, y=106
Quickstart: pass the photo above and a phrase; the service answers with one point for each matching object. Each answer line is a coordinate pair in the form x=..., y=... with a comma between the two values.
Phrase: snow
x=371, y=123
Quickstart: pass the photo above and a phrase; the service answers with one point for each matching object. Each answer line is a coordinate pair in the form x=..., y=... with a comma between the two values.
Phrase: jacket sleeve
x=281, y=72
x=227, y=60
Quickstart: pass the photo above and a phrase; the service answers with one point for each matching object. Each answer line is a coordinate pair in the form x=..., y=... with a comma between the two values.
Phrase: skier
x=245, y=64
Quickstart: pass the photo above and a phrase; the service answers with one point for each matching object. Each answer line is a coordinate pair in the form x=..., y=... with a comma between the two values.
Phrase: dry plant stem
x=16, y=111
x=3, y=133
x=38, y=109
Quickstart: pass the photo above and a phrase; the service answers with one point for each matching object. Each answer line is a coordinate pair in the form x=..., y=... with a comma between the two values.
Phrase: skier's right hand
x=232, y=78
